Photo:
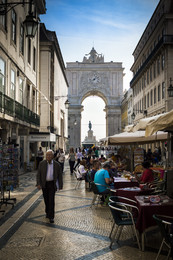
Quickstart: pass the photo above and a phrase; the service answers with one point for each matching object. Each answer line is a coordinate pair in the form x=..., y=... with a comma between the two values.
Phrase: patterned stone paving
x=79, y=232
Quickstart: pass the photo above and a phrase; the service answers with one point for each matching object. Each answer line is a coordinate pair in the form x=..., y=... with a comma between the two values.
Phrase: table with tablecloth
x=131, y=192
x=120, y=182
x=147, y=210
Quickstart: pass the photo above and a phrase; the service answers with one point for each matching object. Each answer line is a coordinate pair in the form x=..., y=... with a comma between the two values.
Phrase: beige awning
x=138, y=137
x=142, y=124
x=164, y=122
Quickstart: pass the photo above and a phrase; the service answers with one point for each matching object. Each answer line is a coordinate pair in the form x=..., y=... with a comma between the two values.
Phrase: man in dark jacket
x=49, y=179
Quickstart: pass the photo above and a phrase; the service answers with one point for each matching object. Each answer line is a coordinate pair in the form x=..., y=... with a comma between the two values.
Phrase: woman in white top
x=82, y=170
x=79, y=157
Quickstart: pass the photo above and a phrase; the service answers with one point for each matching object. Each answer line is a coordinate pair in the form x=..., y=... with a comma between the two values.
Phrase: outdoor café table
x=120, y=182
x=131, y=192
x=147, y=210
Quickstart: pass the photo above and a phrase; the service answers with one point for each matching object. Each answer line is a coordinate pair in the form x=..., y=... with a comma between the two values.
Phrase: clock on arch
x=95, y=78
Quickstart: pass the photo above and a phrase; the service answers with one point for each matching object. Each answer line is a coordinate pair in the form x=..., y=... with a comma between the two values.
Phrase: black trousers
x=71, y=163
x=62, y=166
x=49, y=199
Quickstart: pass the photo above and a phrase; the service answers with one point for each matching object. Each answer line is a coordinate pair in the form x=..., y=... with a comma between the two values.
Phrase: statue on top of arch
x=93, y=57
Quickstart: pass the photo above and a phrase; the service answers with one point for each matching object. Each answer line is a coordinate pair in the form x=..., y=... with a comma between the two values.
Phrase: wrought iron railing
x=13, y=108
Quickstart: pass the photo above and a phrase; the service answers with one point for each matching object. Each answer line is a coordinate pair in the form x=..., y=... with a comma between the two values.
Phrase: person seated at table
x=82, y=170
x=95, y=167
x=147, y=175
x=113, y=169
x=102, y=177
x=102, y=159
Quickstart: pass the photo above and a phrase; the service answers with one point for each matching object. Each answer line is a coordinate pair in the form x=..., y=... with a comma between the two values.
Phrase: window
x=154, y=70
x=151, y=75
x=154, y=95
x=145, y=102
x=33, y=100
x=163, y=62
x=159, y=92
x=21, y=44
x=148, y=100
x=158, y=66
x=13, y=84
x=21, y=90
x=163, y=90
x=29, y=50
x=2, y=76
x=13, y=25
x=34, y=59
x=28, y=96
x=147, y=76
x=3, y=18
x=151, y=97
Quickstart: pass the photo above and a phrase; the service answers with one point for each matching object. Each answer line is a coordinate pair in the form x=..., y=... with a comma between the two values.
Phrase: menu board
x=138, y=156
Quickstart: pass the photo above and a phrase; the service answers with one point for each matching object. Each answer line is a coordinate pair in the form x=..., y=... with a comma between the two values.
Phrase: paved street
x=79, y=232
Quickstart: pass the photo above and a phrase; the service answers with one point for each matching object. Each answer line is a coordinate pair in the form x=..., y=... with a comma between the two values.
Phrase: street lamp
x=30, y=24
x=140, y=111
x=170, y=89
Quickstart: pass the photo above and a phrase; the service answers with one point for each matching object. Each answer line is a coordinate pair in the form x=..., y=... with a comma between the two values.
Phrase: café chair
x=79, y=180
x=125, y=202
x=118, y=211
x=165, y=224
x=97, y=195
x=158, y=187
x=122, y=199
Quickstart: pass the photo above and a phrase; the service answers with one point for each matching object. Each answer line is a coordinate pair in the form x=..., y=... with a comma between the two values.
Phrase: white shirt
x=49, y=176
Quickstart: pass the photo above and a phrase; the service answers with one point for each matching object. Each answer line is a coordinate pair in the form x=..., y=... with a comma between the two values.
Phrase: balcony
x=166, y=39
x=13, y=108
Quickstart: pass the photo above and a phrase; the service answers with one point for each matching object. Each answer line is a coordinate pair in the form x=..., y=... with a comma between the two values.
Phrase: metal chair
x=97, y=195
x=118, y=211
x=79, y=180
x=165, y=224
x=124, y=202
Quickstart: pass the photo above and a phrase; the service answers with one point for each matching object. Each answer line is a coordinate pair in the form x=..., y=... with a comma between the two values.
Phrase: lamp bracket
x=58, y=97
x=4, y=6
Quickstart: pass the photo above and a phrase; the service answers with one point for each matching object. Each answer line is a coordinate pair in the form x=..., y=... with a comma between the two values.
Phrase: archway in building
x=94, y=77
x=93, y=111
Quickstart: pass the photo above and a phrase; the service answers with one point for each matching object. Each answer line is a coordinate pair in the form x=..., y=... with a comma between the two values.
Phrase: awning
x=138, y=137
x=164, y=122
x=142, y=124
x=42, y=137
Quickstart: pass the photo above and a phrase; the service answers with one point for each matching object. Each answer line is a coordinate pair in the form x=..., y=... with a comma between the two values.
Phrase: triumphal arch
x=95, y=77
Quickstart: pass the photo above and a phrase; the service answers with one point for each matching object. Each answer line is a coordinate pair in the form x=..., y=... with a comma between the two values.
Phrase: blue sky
x=113, y=27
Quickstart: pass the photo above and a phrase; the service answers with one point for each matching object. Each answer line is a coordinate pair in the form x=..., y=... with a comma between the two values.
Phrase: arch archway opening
x=93, y=111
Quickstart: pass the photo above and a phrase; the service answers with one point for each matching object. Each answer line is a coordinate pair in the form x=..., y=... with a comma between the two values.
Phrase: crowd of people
x=87, y=165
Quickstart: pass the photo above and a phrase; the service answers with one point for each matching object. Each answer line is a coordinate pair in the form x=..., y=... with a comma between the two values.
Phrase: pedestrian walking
x=79, y=156
x=61, y=158
x=40, y=156
x=49, y=179
x=72, y=159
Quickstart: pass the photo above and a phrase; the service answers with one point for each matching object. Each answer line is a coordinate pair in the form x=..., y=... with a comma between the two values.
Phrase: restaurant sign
x=50, y=137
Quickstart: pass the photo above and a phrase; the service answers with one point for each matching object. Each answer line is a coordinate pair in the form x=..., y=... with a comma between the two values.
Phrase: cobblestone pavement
x=79, y=232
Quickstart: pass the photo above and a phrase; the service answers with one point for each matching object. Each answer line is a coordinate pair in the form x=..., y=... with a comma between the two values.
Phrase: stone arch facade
x=95, y=77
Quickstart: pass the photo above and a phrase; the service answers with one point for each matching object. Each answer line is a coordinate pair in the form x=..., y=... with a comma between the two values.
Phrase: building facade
x=19, y=78
x=94, y=77
x=153, y=64
x=53, y=92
